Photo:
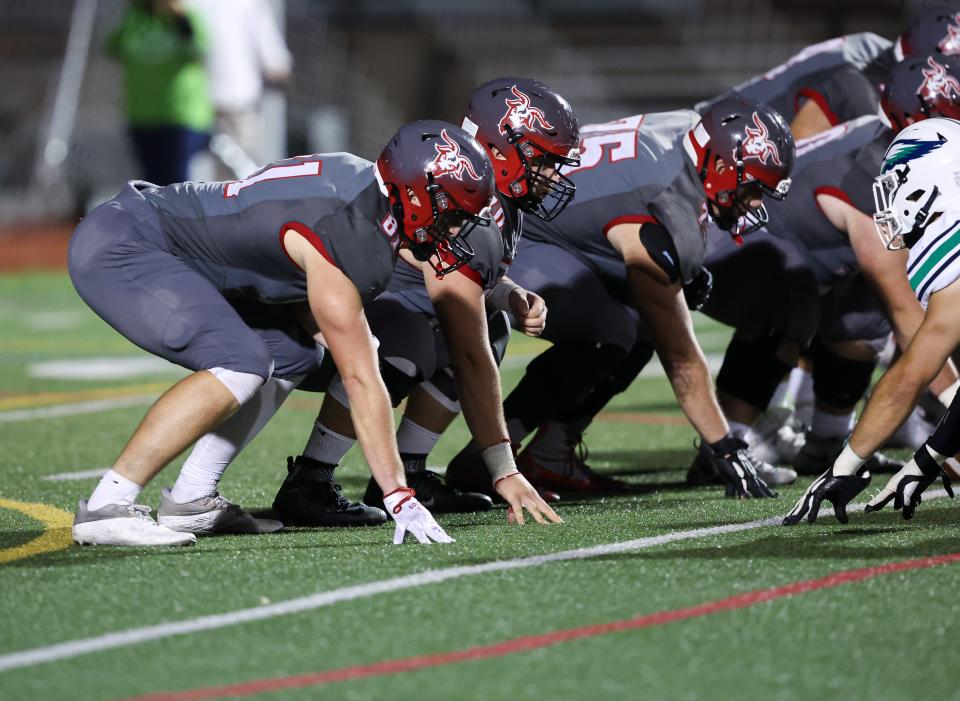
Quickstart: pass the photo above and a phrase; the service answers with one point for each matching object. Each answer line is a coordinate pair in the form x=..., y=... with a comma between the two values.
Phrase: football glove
x=410, y=515
x=907, y=486
x=839, y=490
x=730, y=459
x=697, y=291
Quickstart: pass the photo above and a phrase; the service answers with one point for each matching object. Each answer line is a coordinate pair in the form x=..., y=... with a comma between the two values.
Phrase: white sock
x=804, y=401
x=831, y=425
x=213, y=453
x=780, y=395
x=738, y=429
x=415, y=439
x=113, y=488
x=326, y=445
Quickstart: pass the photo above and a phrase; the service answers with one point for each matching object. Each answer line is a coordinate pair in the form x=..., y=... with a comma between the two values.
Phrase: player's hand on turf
x=530, y=310
x=732, y=461
x=520, y=495
x=839, y=490
x=412, y=517
x=906, y=487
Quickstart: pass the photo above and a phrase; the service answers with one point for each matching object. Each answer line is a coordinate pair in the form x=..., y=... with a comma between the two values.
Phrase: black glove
x=698, y=290
x=730, y=459
x=839, y=490
x=907, y=486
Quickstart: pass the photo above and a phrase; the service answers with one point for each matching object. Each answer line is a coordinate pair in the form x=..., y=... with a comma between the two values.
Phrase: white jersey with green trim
x=934, y=261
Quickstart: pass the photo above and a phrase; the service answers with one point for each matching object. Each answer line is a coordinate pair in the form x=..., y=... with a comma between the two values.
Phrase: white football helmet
x=919, y=182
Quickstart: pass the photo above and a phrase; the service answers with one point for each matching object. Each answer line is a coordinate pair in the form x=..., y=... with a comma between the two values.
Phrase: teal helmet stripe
x=905, y=150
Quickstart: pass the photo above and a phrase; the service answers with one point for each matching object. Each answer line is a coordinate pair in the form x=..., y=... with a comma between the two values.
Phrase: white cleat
x=123, y=524
x=211, y=515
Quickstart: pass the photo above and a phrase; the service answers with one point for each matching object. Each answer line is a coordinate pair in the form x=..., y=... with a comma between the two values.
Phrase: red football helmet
x=921, y=87
x=535, y=130
x=936, y=30
x=743, y=150
x=437, y=178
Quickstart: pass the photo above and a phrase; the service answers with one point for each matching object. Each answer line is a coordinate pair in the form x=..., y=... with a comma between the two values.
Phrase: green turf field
x=889, y=636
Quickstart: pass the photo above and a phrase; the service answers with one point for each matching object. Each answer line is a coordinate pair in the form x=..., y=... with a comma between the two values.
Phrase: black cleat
x=434, y=494
x=319, y=502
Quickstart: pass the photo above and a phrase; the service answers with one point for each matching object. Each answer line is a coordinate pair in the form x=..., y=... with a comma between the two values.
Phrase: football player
x=821, y=275
x=160, y=264
x=840, y=79
x=917, y=211
x=612, y=267
x=433, y=331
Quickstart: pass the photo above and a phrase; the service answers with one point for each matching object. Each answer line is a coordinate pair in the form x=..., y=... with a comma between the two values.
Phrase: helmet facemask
x=732, y=211
x=432, y=242
x=891, y=229
x=539, y=191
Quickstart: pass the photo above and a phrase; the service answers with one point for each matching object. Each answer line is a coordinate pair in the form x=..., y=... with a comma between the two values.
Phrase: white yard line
x=79, y=475
x=132, y=636
x=76, y=408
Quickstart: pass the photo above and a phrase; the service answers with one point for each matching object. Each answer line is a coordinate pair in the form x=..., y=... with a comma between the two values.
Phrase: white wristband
x=499, y=296
x=499, y=461
x=947, y=395
x=848, y=462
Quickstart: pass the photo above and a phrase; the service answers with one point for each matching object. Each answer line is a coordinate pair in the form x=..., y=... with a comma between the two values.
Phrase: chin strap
x=923, y=215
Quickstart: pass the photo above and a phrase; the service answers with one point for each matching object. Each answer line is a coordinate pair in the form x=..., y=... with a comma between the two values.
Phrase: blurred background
x=285, y=77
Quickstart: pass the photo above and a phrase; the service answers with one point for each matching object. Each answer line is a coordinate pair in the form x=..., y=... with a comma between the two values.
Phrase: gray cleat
x=210, y=515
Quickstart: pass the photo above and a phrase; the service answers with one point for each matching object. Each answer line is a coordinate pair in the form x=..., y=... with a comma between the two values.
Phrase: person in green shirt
x=161, y=47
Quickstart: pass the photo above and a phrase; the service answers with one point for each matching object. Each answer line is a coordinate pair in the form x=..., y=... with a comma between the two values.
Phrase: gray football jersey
x=494, y=246
x=633, y=170
x=842, y=162
x=842, y=75
x=231, y=232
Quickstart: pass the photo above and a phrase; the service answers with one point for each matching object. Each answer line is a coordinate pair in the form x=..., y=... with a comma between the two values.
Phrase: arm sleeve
x=661, y=248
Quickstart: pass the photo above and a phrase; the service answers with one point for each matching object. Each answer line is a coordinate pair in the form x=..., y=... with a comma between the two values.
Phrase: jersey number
x=295, y=170
x=617, y=138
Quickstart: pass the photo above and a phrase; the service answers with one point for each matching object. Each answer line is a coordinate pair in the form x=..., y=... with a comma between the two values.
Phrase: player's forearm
x=693, y=387
x=373, y=422
x=478, y=387
x=890, y=404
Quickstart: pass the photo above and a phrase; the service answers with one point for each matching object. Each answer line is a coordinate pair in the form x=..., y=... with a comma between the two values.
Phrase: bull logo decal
x=758, y=144
x=449, y=160
x=950, y=44
x=937, y=82
x=520, y=114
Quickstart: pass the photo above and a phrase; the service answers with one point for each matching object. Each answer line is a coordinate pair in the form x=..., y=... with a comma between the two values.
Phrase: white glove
x=411, y=515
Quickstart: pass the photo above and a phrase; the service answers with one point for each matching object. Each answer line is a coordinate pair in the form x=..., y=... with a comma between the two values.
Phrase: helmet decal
x=520, y=113
x=449, y=160
x=950, y=44
x=936, y=81
x=906, y=150
x=758, y=144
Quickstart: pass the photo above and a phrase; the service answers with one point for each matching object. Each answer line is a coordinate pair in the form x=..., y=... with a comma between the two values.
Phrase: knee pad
x=839, y=381
x=559, y=379
x=631, y=366
x=752, y=370
x=336, y=390
x=242, y=385
x=443, y=389
x=400, y=375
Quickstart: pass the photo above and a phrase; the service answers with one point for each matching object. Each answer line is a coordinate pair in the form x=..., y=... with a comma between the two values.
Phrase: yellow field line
x=22, y=401
x=56, y=533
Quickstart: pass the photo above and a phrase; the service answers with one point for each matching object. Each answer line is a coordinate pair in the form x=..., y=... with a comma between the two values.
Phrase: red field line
x=532, y=642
